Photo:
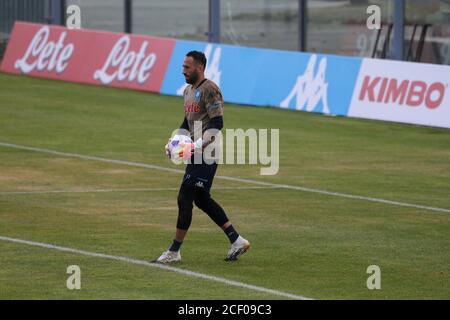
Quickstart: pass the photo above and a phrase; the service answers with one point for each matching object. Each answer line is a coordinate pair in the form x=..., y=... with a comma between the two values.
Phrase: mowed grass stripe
x=303, y=242
x=15, y=193
x=267, y=184
x=159, y=266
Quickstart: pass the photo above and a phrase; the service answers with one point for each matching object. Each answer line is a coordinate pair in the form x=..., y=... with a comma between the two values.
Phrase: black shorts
x=200, y=175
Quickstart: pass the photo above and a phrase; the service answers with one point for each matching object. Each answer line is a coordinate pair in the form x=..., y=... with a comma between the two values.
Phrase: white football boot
x=237, y=248
x=168, y=257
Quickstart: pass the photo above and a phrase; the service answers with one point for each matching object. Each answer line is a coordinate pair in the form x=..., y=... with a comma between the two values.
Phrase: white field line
x=157, y=265
x=14, y=193
x=261, y=183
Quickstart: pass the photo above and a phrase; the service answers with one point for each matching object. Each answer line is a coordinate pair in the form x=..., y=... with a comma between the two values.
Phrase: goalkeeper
x=202, y=102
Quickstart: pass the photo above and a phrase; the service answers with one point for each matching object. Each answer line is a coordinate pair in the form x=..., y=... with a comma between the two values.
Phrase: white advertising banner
x=402, y=92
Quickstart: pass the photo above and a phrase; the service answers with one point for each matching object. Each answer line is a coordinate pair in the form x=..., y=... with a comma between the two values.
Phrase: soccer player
x=202, y=102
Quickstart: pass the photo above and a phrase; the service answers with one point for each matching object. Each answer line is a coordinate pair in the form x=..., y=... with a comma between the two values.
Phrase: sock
x=175, y=245
x=231, y=233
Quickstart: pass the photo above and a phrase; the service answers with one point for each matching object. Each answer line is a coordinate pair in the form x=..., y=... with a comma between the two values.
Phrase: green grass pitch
x=303, y=243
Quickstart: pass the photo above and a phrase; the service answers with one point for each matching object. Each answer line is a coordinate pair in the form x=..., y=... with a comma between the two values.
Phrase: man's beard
x=193, y=78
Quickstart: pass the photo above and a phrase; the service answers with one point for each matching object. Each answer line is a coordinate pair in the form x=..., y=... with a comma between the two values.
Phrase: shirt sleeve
x=216, y=123
x=214, y=103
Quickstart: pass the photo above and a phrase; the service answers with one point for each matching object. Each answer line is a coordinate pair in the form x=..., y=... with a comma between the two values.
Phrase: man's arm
x=202, y=143
x=214, y=123
x=214, y=107
x=185, y=124
x=184, y=128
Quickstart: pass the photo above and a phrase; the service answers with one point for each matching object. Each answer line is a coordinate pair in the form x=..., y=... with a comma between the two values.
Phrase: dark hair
x=199, y=57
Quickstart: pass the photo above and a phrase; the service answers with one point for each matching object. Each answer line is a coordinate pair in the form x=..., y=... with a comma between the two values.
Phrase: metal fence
x=20, y=10
x=23, y=10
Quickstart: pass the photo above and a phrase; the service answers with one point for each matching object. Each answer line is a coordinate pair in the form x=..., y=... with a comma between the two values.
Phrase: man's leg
x=203, y=200
x=180, y=234
x=204, y=176
x=185, y=206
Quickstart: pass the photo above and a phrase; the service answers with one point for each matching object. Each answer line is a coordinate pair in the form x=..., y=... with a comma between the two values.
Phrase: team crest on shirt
x=198, y=94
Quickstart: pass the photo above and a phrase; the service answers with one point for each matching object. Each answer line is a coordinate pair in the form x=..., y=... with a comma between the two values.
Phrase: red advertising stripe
x=87, y=56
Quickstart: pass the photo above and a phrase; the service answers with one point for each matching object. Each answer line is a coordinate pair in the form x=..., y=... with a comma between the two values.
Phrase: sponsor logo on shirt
x=191, y=107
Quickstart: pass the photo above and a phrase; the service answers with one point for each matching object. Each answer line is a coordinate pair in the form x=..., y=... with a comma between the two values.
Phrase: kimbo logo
x=405, y=92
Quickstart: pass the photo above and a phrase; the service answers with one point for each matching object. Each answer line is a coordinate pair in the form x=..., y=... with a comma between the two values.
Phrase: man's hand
x=167, y=148
x=187, y=151
x=189, y=148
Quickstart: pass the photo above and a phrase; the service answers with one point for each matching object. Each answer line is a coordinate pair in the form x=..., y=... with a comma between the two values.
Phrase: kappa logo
x=310, y=89
x=199, y=184
x=212, y=71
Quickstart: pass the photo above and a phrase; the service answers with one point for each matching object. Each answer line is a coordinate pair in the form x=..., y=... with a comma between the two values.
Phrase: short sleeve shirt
x=202, y=104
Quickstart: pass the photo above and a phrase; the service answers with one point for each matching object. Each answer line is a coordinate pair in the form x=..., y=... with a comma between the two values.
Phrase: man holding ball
x=203, y=102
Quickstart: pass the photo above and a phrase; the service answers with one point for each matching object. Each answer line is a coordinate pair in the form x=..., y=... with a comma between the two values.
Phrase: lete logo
x=128, y=64
x=310, y=89
x=47, y=54
x=411, y=93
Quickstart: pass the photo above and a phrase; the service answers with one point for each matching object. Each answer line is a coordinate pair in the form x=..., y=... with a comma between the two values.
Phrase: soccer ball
x=176, y=145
